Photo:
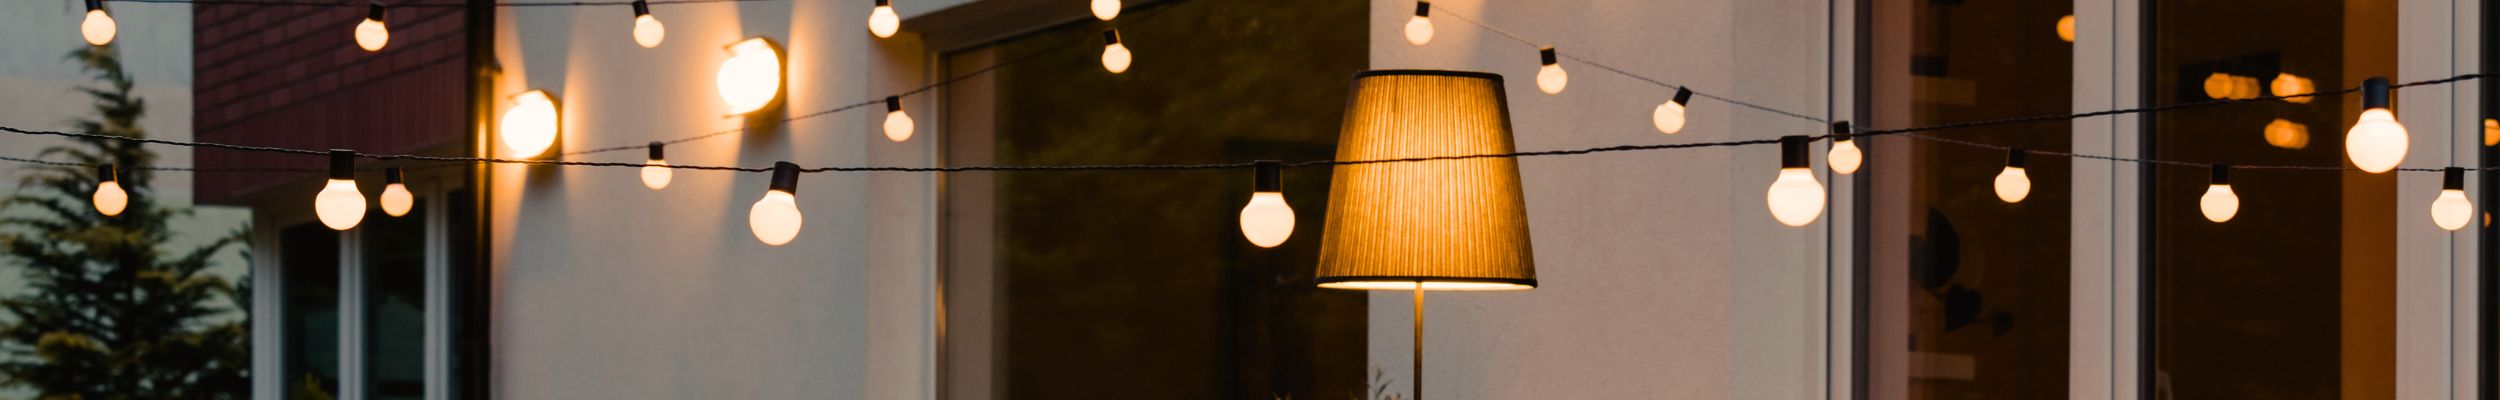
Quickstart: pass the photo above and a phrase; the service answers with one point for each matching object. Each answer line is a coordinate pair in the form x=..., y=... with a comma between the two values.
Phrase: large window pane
x=310, y=261
x=394, y=272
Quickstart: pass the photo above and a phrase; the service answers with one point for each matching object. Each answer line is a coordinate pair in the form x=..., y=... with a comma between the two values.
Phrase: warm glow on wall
x=2221, y=86
x=2491, y=132
x=98, y=28
x=751, y=78
x=109, y=198
x=530, y=127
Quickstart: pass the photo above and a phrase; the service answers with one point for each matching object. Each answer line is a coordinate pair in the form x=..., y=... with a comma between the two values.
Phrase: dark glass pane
x=394, y=262
x=309, y=257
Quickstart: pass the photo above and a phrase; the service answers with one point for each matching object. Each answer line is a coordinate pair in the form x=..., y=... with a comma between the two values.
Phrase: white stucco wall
x=1662, y=274
x=606, y=289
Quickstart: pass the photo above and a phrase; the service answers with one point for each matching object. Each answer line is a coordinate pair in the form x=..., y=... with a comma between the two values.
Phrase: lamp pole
x=1419, y=341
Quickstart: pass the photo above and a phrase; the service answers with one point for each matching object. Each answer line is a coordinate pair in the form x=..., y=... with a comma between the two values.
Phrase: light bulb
x=2287, y=134
x=1795, y=198
x=1106, y=9
x=751, y=78
x=2245, y=88
x=2452, y=210
x=395, y=198
x=110, y=199
x=371, y=34
x=648, y=32
x=775, y=219
x=2491, y=132
x=2066, y=28
x=2220, y=86
x=655, y=172
x=898, y=125
x=2377, y=143
x=882, y=21
x=1551, y=78
x=531, y=125
x=339, y=205
x=1844, y=157
x=2286, y=84
x=2219, y=203
x=2013, y=184
x=1419, y=28
x=1115, y=56
x=1669, y=117
x=1267, y=221
x=99, y=27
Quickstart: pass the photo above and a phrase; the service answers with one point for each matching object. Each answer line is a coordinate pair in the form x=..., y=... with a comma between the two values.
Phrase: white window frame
x=269, y=294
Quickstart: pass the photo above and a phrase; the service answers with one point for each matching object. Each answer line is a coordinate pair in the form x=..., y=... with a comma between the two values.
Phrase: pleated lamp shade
x=1455, y=224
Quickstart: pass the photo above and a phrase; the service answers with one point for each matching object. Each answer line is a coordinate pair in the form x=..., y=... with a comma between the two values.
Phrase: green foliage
x=107, y=314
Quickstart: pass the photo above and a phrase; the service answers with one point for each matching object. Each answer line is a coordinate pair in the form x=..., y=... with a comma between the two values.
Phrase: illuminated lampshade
x=2013, y=184
x=1440, y=225
x=1419, y=28
x=2066, y=28
x=372, y=34
x=2452, y=210
x=339, y=205
x=1844, y=156
x=648, y=32
x=1551, y=78
x=2376, y=143
x=109, y=199
x=2219, y=203
x=1795, y=198
x=751, y=78
x=1267, y=221
x=1669, y=117
x=98, y=28
x=531, y=125
x=395, y=197
x=2286, y=84
x=898, y=125
x=2287, y=134
x=775, y=219
x=882, y=21
x=1115, y=55
x=655, y=172
x=1105, y=9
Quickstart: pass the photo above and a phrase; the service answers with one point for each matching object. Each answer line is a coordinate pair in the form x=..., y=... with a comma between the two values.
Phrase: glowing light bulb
x=882, y=21
x=2220, y=86
x=2491, y=132
x=648, y=32
x=2377, y=143
x=1795, y=198
x=2286, y=84
x=99, y=27
x=339, y=205
x=2013, y=184
x=2219, y=203
x=395, y=197
x=655, y=173
x=2245, y=88
x=775, y=219
x=110, y=199
x=531, y=125
x=1267, y=221
x=2066, y=28
x=898, y=125
x=1844, y=157
x=751, y=78
x=372, y=34
x=1669, y=117
x=1419, y=28
x=1115, y=56
x=1550, y=78
x=1106, y=9
x=2452, y=209
x=2287, y=134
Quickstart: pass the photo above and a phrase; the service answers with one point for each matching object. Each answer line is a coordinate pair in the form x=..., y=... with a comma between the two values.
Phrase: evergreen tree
x=107, y=313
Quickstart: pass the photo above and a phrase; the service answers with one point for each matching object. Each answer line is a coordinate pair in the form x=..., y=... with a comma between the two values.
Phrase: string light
x=2377, y=143
x=2219, y=203
x=1106, y=9
x=2066, y=28
x=2287, y=134
x=395, y=197
x=751, y=78
x=648, y=32
x=1550, y=78
x=1115, y=56
x=882, y=21
x=898, y=125
x=655, y=173
x=2491, y=132
x=98, y=28
x=1844, y=157
x=1669, y=117
x=372, y=34
x=2221, y=86
x=109, y=199
x=2286, y=84
x=775, y=219
x=339, y=205
x=2013, y=184
x=1419, y=28
x=1267, y=221
x=2452, y=210
x=531, y=125
x=1795, y=198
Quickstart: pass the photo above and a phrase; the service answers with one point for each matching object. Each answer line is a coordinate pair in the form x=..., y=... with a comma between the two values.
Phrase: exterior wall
x=607, y=289
x=1662, y=273
x=293, y=77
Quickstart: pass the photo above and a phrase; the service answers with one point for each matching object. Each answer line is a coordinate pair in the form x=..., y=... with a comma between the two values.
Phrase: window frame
x=268, y=339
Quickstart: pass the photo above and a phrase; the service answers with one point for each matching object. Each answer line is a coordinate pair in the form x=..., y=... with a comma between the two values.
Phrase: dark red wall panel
x=292, y=76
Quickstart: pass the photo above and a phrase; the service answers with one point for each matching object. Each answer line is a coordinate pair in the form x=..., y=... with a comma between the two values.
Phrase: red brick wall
x=292, y=76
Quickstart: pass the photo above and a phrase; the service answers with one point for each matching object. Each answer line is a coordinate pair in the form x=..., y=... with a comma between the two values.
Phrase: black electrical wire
x=413, y=4
x=1523, y=40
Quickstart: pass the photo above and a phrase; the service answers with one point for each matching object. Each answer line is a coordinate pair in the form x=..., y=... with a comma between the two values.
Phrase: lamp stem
x=1419, y=341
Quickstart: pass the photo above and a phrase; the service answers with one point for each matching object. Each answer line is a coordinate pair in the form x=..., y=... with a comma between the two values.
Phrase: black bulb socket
x=656, y=154
x=1270, y=176
x=106, y=173
x=2222, y=174
x=2374, y=93
x=2014, y=157
x=376, y=11
x=786, y=177
x=1110, y=37
x=893, y=103
x=1793, y=152
x=642, y=8
x=393, y=176
x=1840, y=132
x=1423, y=9
x=1546, y=54
x=885, y=3
x=343, y=164
x=1683, y=96
x=93, y=5
x=2452, y=178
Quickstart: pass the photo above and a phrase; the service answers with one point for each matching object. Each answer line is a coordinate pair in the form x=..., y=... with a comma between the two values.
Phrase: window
x=394, y=271
x=365, y=311
x=310, y=253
